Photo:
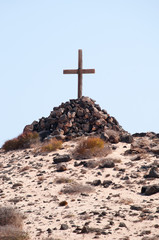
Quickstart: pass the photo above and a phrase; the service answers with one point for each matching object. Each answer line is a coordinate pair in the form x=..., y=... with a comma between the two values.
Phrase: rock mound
x=75, y=118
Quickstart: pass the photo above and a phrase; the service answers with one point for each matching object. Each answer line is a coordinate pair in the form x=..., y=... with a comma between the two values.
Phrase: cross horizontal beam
x=77, y=71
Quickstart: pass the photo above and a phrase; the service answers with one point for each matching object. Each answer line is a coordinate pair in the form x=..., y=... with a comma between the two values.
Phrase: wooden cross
x=79, y=71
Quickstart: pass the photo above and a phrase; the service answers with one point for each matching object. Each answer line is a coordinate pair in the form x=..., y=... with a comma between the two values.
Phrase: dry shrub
x=77, y=188
x=9, y=216
x=12, y=233
x=24, y=169
x=91, y=147
x=52, y=145
x=41, y=178
x=126, y=201
x=22, y=141
x=91, y=163
x=60, y=180
x=115, y=160
x=50, y=238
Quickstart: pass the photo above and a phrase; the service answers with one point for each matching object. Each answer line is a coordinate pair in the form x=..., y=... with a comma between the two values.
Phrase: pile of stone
x=78, y=117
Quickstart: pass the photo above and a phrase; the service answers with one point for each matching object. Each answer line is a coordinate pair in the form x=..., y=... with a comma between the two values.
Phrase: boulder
x=106, y=163
x=149, y=190
x=127, y=138
x=62, y=158
x=153, y=173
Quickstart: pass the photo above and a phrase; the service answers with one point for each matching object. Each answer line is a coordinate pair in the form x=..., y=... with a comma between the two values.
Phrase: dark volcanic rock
x=155, y=150
x=153, y=173
x=136, y=207
x=96, y=182
x=79, y=117
x=149, y=190
x=107, y=183
x=62, y=158
x=61, y=167
x=106, y=163
x=64, y=226
x=127, y=138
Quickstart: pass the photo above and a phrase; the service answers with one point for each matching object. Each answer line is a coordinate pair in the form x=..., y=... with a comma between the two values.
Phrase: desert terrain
x=112, y=197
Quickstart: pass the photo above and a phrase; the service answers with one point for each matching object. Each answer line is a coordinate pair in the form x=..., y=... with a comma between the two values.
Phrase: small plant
x=91, y=147
x=41, y=178
x=9, y=216
x=77, y=188
x=12, y=233
x=11, y=223
x=24, y=169
x=126, y=201
x=52, y=145
x=24, y=140
x=63, y=180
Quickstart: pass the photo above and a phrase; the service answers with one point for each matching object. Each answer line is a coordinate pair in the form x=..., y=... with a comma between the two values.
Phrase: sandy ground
x=120, y=211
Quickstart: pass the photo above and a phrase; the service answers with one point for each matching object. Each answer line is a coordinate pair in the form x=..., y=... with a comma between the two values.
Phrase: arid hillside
x=84, y=188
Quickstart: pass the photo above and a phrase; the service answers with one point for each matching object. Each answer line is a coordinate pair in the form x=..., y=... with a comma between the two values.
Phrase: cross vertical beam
x=79, y=71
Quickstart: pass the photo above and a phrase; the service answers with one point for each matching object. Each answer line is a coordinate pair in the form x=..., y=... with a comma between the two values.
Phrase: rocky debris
x=87, y=229
x=102, y=163
x=61, y=167
x=106, y=163
x=142, y=145
x=62, y=158
x=127, y=138
x=113, y=136
x=122, y=224
x=151, y=135
x=96, y=182
x=136, y=158
x=136, y=207
x=64, y=226
x=90, y=163
x=155, y=150
x=107, y=183
x=149, y=190
x=80, y=117
x=63, y=203
x=153, y=173
x=15, y=185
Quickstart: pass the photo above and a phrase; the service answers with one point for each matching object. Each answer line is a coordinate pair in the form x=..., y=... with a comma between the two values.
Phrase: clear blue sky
x=119, y=38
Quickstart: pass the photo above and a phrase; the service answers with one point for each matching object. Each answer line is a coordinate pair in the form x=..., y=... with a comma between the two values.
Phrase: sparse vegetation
x=77, y=188
x=50, y=238
x=12, y=233
x=126, y=201
x=63, y=180
x=9, y=216
x=52, y=145
x=22, y=141
x=91, y=147
x=24, y=169
x=11, y=223
x=41, y=178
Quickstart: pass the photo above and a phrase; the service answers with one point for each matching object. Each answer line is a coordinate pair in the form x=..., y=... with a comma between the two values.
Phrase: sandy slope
x=112, y=209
